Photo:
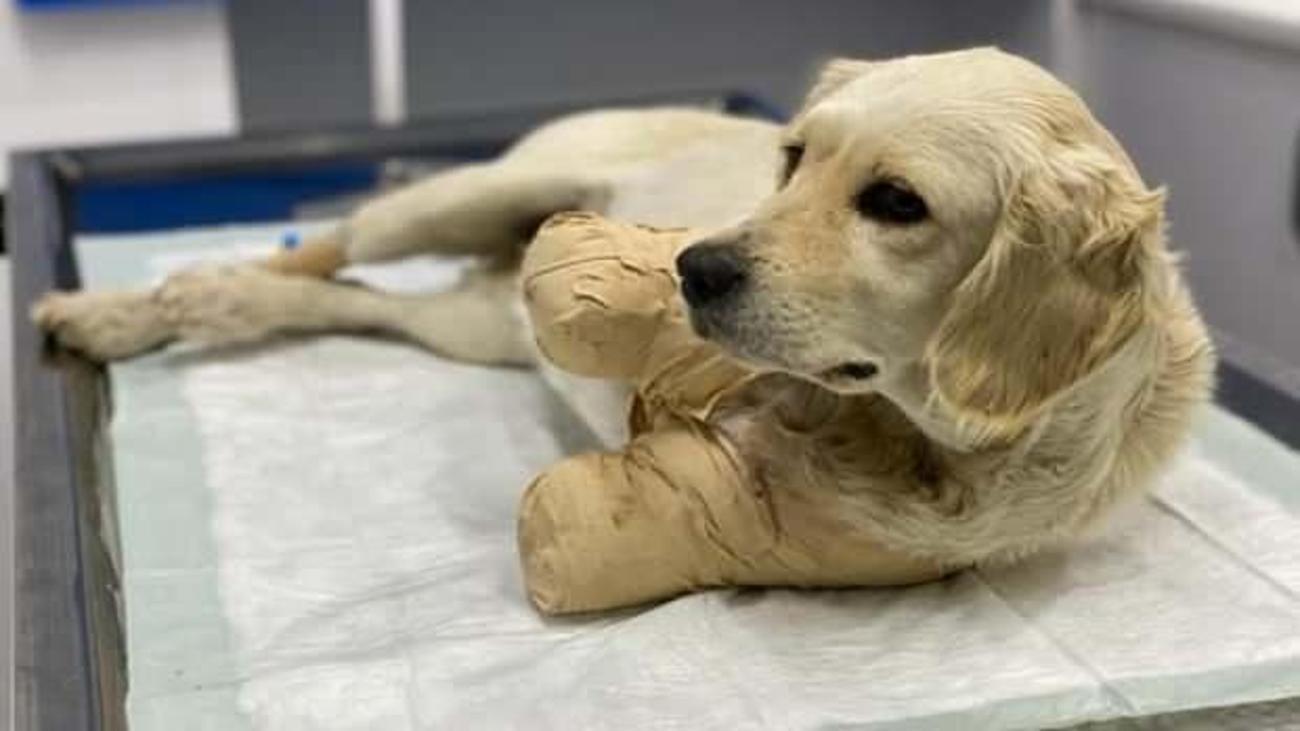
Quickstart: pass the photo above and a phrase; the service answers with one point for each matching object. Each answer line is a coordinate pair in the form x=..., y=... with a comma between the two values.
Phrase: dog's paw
x=102, y=325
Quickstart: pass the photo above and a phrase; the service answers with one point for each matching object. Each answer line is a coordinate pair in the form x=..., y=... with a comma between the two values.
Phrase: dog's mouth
x=851, y=377
x=757, y=349
x=855, y=371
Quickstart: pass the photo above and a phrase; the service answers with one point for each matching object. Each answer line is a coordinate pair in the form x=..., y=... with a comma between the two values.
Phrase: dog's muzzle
x=711, y=273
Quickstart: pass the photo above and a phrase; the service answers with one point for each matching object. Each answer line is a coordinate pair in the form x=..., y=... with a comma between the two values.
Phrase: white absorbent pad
x=320, y=534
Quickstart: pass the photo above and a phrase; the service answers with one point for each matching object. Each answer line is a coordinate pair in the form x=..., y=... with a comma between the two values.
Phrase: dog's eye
x=890, y=203
x=793, y=155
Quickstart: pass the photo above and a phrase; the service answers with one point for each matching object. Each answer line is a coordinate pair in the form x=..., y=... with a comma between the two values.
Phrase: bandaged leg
x=601, y=295
x=666, y=515
x=674, y=512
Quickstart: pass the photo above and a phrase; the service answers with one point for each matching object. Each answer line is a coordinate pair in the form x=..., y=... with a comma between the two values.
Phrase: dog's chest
x=790, y=433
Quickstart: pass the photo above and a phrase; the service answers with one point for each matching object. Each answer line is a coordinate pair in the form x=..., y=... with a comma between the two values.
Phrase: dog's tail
x=319, y=256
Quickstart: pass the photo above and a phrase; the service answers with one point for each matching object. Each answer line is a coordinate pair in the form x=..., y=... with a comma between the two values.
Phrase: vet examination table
x=319, y=533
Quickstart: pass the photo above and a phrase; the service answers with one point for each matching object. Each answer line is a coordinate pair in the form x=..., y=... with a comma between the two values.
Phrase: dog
x=957, y=272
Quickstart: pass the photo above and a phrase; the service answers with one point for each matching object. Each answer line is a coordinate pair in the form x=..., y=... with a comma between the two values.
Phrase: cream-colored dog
x=954, y=232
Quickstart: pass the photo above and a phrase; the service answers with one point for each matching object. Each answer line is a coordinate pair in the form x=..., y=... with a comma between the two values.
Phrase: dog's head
x=960, y=212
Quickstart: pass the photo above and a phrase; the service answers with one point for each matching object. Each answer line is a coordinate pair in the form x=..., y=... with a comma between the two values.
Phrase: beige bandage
x=599, y=294
x=677, y=509
x=664, y=516
x=675, y=512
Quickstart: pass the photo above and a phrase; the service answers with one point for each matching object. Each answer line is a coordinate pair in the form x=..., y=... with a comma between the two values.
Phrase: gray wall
x=1214, y=117
x=300, y=63
x=490, y=54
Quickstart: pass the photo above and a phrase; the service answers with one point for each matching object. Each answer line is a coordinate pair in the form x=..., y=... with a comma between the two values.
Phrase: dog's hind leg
x=474, y=322
x=489, y=210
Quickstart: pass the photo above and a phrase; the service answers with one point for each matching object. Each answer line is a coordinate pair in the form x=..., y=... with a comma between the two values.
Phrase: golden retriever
x=985, y=342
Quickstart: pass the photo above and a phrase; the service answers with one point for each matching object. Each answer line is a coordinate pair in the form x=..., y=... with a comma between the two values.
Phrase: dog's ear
x=1062, y=285
x=834, y=74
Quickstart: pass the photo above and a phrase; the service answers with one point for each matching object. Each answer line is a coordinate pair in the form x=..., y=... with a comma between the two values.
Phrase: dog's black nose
x=710, y=272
